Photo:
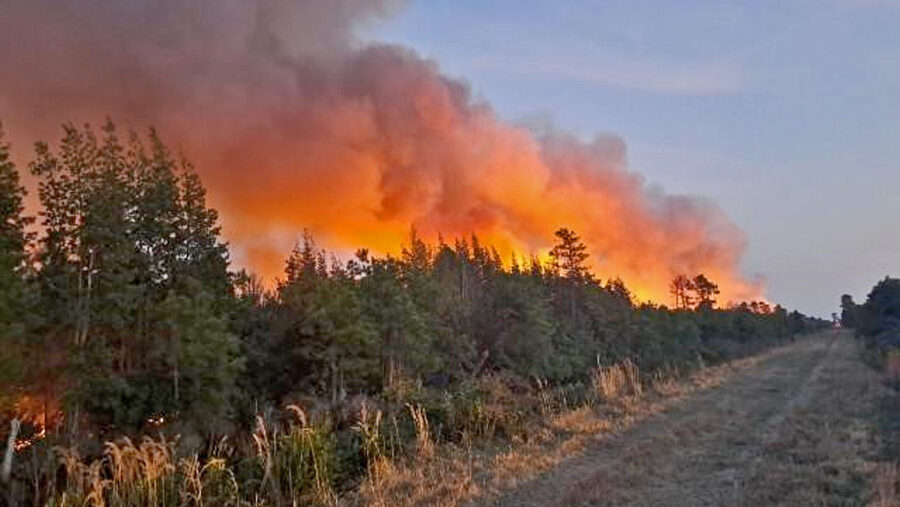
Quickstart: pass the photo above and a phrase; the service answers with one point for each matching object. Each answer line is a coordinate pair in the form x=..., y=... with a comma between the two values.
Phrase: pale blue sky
x=786, y=113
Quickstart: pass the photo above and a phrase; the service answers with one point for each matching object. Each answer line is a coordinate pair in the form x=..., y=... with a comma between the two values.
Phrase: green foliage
x=13, y=240
x=878, y=319
x=13, y=269
x=321, y=326
x=400, y=327
x=133, y=282
x=202, y=356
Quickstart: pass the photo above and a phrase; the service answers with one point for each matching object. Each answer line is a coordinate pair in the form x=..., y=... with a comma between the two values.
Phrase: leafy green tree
x=137, y=314
x=617, y=287
x=201, y=255
x=82, y=278
x=447, y=302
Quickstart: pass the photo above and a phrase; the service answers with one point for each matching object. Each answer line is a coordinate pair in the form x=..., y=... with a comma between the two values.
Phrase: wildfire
x=24, y=443
x=296, y=124
x=38, y=412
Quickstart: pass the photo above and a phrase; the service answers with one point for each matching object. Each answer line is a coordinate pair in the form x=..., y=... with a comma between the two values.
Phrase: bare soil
x=795, y=427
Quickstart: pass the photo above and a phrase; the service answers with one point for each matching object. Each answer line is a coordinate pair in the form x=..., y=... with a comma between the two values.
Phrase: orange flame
x=39, y=412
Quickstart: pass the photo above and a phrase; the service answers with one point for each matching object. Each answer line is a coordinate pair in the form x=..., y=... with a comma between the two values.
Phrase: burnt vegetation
x=123, y=326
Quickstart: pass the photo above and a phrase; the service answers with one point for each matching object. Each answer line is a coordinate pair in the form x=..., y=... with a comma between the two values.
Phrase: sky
x=785, y=113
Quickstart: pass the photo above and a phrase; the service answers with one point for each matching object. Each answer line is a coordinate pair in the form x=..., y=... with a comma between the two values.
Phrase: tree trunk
x=6, y=468
x=334, y=382
x=175, y=372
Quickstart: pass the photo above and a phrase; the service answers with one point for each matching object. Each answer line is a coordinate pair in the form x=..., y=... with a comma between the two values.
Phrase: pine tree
x=13, y=265
x=569, y=256
x=13, y=242
x=680, y=288
x=202, y=256
x=524, y=328
x=404, y=338
x=203, y=360
x=126, y=229
x=706, y=291
x=324, y=331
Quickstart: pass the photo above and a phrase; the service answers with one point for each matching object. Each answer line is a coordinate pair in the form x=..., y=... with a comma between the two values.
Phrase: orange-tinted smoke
x=295, y=124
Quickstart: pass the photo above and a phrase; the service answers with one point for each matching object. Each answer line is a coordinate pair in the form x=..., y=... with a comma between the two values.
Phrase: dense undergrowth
x=296, y=458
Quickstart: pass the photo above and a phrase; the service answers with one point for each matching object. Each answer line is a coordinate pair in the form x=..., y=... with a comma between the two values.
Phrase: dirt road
x=795, y=428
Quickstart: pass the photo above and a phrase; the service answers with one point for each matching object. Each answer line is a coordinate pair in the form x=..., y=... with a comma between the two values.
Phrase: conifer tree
x=13, y=265
x=126, y=231
x=706, y=291
x=13, y=242
x=569, y=256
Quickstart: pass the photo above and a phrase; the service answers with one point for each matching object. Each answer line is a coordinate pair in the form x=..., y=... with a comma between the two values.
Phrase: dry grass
x=145, y=474
x=766, y=438
x=666, y=385
x=293, y=463
x=611, y=383
x=424, y=444
x=127, y=474
x=368, y=427
x=885, y=484
x=459, y=474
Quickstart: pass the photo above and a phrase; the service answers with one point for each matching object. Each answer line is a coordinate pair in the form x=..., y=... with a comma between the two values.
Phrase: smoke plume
x=293, y=123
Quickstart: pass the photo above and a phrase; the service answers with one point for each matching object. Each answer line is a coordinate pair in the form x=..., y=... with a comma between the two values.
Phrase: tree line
x=877, y=320
x=123, y=310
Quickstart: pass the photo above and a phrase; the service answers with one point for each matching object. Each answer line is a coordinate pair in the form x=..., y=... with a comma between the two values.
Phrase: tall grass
x=424, y=444
x=612, y=383
x=304, y=459
x=297, y=463
x=292, y=464
x=145, y=474
x=369, y=429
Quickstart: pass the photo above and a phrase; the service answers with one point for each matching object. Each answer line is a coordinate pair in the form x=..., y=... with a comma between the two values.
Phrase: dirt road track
x=793, y=429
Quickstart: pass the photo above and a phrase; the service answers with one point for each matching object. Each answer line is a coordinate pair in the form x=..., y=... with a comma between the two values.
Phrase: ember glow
x=38, y=412
x=296, y=124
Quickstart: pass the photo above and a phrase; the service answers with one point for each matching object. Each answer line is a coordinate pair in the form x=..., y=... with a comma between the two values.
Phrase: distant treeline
x=877, y=320
x=123, y=313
